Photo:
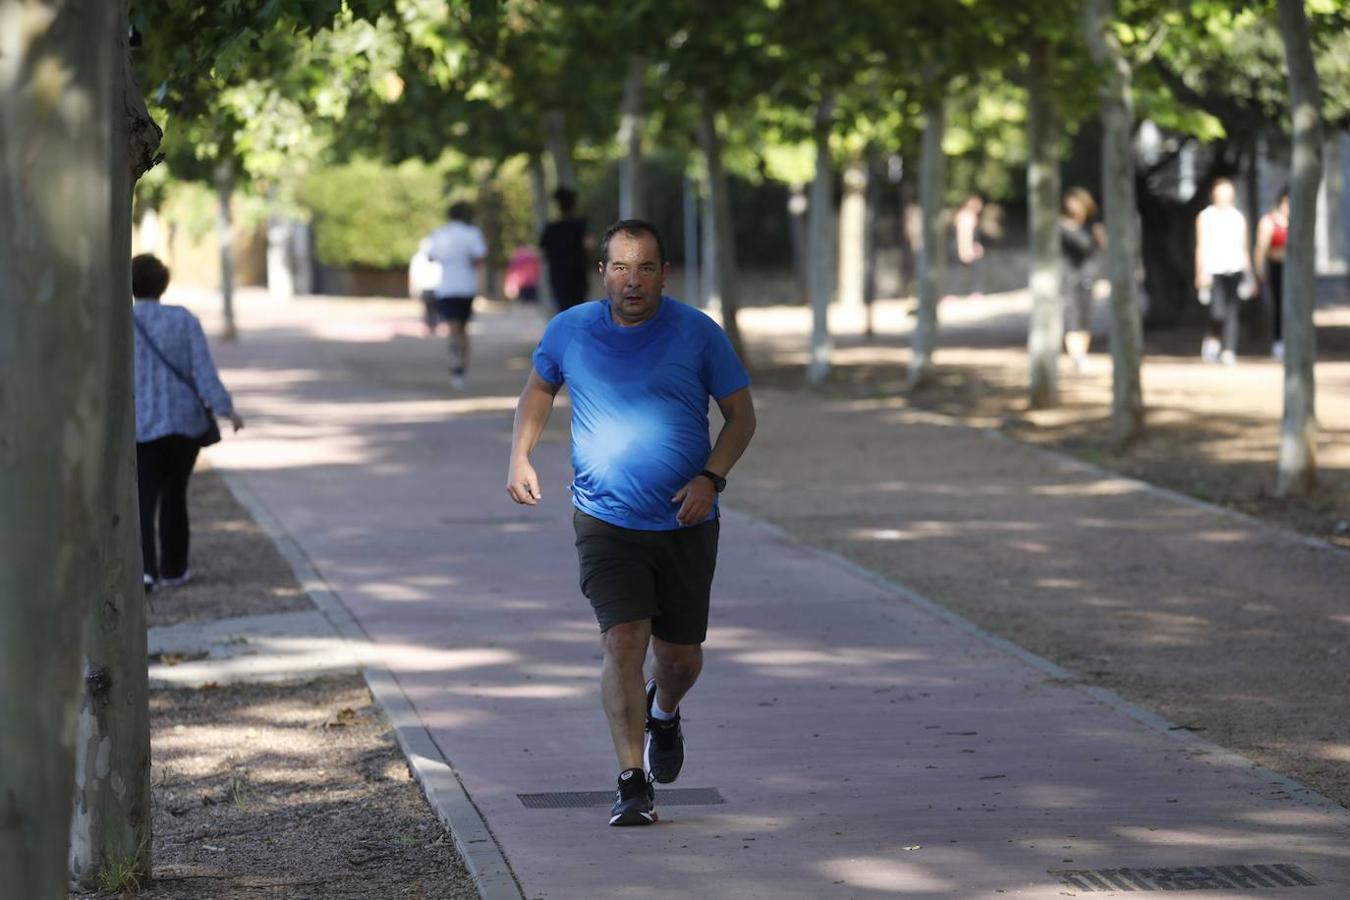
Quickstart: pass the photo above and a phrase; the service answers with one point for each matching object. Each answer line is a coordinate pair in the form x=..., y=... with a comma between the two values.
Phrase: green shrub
x=370, y=214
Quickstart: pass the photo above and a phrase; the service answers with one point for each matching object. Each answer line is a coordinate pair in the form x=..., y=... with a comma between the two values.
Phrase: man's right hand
x=523, y=484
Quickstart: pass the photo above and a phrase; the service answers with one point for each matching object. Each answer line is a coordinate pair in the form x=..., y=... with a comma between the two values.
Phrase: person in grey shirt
x=170, y=350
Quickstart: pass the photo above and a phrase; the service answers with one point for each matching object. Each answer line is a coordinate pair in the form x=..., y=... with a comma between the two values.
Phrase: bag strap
x=145, y=335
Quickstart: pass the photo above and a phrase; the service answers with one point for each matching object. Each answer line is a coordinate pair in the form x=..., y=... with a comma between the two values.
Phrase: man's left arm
x=697, y=497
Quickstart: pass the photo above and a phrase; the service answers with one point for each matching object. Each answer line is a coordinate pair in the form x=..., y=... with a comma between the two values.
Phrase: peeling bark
x=818, y=245
x=1043, y=188
x=62, y=167
x=1122, y=215
x=933, y=254
x=1297, y=474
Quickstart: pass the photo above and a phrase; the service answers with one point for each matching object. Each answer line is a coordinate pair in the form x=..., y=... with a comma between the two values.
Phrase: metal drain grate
x=1186, y=878
x=580, y=799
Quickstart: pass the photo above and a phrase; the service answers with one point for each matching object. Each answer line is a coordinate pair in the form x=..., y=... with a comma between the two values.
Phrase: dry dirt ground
x=280, y=791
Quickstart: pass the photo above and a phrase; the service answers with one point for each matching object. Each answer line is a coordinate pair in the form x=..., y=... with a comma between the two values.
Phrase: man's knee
x=626, y=642
x=679, y=661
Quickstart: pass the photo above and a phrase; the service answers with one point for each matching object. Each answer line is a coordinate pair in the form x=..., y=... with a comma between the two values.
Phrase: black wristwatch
x=719, y=483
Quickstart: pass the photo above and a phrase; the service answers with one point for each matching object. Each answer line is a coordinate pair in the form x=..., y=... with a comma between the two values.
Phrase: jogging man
x=460, y=249
x=640, y=367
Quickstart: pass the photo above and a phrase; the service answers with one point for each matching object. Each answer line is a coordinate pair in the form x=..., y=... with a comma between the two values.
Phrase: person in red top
x=1272, y=233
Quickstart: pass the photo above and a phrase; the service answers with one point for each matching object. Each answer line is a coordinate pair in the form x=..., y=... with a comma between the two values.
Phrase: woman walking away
x=1080, y=236
x=1221, y=264
x=1272, y=233
x=177, y=391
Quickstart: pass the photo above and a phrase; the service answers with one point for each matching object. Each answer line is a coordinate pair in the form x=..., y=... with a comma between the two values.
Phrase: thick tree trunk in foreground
x=630, y=137
x=1043, y=188
x=818, y=245
x=559, y=149
x=60, y=86
x=933, y=255
x=112, y=821
x=225, y=237
x=724, y=232
x=1122, y=252
x=1298, y=433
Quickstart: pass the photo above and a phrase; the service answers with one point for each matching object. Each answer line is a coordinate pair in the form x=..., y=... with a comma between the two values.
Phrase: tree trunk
x=559, y=150
x=57, y=152
x=933, y=253
x=709, y=296
x=1122, y=252
x=539, y=209
x=797, y=205
x=490, y=221
x=691, y=268
x=724, y=232
x=630, y=137
x=818, y=257
x=225, y=238
x=1043, y=188
x=112, y=820
x=871, y=200
x=1298, y=433
x=853, y=235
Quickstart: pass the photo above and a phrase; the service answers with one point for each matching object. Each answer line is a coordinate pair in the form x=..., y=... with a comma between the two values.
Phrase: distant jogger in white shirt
x=1222, y=263
x=460, y=249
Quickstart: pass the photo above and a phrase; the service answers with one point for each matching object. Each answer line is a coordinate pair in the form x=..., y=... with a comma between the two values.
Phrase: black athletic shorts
x=455, y=309
x=666, y=576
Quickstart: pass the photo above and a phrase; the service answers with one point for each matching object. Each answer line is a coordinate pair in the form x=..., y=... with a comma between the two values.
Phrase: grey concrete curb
x=482, y=855
x=1213, y=752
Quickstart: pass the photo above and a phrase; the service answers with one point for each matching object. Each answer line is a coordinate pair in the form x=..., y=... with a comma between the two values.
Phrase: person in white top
x=459, y=248
x=1222, y=270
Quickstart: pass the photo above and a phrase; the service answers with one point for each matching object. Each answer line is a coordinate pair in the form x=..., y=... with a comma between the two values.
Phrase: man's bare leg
x=459, y=346
x=623, y=690
x=676, y=668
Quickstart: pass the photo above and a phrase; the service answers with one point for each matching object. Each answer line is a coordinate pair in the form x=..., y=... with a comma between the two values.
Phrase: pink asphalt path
x=865, y=745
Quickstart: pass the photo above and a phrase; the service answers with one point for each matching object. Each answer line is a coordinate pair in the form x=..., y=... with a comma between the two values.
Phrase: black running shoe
x=663, y=750
x=636, y=803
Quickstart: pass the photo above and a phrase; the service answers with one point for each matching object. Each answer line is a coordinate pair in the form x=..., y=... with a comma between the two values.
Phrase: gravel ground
x=282, y=791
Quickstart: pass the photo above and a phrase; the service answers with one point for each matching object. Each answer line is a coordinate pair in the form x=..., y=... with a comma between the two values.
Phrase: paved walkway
x=863, y=743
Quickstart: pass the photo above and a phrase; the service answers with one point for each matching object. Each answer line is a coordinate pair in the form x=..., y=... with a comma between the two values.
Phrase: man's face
x=634, y=277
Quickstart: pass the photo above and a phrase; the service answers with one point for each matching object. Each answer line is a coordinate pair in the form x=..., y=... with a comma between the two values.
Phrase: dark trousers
x=1275, y=288
x=163, y=467
x=1224, y=307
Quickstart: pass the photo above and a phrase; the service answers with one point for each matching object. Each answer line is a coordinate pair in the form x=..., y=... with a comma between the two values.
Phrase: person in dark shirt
x=1080, y=237
x=566, y=246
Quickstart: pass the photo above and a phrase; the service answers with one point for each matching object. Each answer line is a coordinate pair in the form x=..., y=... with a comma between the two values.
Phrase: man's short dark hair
x=149, y=277
x=632, y=228
x=567, y=199
x=461, y=212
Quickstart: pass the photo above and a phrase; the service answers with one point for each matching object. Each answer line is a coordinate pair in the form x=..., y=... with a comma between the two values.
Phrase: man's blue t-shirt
x=639, y=405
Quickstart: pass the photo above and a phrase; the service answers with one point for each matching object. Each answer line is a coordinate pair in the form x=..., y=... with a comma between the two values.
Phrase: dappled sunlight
x=847, y=657
x=1163, y=629
x=1066, y=584
x=523, y=691
x=932, y=529
x=884, y=874
x=1113, y=487
x=1335, y=752
x=1229, y=839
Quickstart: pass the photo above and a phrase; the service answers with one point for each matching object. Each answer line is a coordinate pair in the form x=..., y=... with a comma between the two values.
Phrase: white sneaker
x=457, y=381
x=1228, y=357
x=1277, y=350
x=175, y=582
x=1209, y=349
x=149, y=583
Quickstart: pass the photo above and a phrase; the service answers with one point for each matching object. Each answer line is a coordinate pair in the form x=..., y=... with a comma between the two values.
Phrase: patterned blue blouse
x=164, y=404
